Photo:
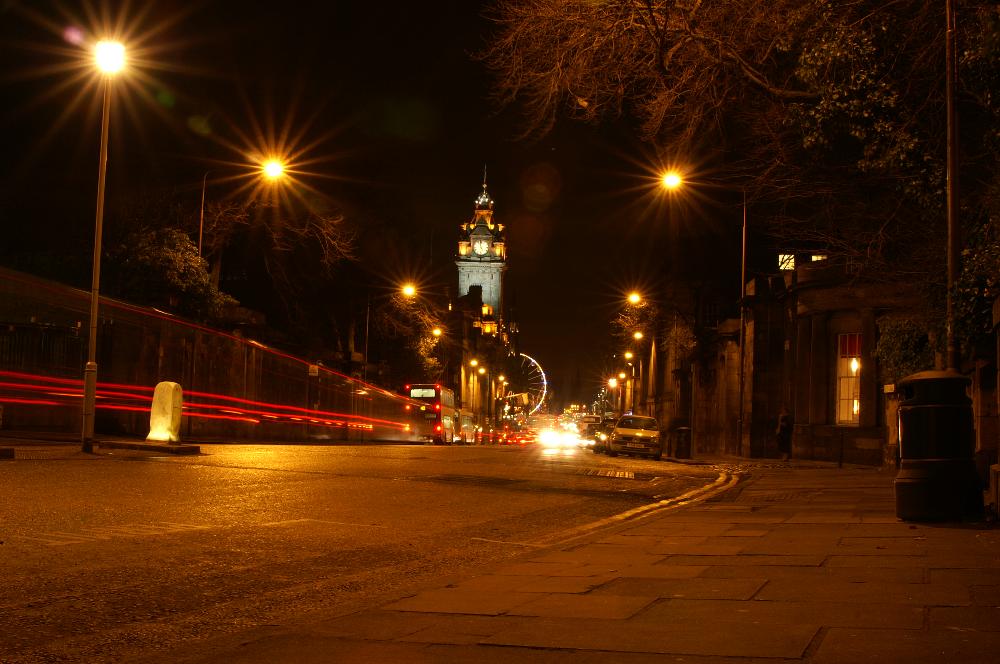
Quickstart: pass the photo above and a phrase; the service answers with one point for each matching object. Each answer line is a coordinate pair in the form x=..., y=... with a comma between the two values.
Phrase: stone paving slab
x=921, y=562
x=565, y=584
x=460, y=629
x=601, y=554
x=968, y=576
x=665, y=570
x=505, y=583
x=534, y=568
x=985, y=595
x=609, y=607
x=779, y=545
x=978, y=618
x=936, y=646
x=740, y=639
x=807, y=560
x=806, y=575
x=376, y=625
x=454, y=600
x=836, y=590
x=882, y=546
x=643, y=542
x=764, y=613
x=702, y=588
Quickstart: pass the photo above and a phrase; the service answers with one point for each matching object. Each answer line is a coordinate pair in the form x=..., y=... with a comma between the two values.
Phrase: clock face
x=481, y=247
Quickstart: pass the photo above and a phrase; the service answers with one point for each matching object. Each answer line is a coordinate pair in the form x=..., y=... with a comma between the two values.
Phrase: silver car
x=635, y=434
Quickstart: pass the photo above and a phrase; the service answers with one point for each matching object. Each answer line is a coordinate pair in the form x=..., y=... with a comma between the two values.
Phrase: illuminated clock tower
x=482, y=257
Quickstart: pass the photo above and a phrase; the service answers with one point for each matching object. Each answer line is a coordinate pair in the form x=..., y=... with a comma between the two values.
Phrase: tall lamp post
x=671, y=181
x=201, y=210
x=109, y=57
x=272, y=169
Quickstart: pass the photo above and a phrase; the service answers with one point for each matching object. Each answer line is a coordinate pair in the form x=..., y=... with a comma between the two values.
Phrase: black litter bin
x=937, y=478
x=682, y=443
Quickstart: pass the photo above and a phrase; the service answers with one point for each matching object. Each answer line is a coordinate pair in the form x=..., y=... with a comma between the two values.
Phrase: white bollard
x=165, y=414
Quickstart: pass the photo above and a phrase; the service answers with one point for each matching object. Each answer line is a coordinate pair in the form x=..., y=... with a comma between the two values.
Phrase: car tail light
x=437, y=428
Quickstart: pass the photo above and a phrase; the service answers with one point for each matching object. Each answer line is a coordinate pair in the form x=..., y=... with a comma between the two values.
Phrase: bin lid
x=946, y=386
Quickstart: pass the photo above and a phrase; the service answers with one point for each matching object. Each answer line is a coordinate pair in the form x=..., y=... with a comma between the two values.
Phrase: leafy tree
x=152, y=260
x=835, y=107
x=828, y=113
x=162, y=267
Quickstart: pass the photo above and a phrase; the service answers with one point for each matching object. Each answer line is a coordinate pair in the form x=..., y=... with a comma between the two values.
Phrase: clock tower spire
x=482, y=257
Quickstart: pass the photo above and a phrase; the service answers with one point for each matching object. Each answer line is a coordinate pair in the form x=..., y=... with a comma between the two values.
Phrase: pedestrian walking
x=784, y=433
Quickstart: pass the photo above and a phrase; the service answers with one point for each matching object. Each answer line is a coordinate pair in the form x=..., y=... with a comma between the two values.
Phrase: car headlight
x=603, y=437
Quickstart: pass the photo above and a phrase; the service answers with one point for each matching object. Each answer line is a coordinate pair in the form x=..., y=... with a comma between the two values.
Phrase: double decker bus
x=439, y=410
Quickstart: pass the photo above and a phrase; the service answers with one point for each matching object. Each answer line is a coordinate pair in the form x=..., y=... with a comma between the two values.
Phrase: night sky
x=395, y=117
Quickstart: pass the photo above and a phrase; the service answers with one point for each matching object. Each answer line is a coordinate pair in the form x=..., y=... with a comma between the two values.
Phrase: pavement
x=801, y=562
x=798, y=562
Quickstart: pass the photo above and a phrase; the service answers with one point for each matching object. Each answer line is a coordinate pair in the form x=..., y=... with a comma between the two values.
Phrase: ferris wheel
x=533, y=382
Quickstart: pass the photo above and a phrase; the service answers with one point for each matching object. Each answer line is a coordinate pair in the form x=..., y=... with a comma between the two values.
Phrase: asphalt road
x=128, y=555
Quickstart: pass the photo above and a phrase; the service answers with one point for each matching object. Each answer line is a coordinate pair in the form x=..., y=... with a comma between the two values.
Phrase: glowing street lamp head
x=621, y=375
x=481, y=370
x=634, y=298
x=629, y=355
x=109, y=56
x=437, y=332
x=671, y=180
x=409, y=290
x=637, y=336
x=612, y=383
x=272, y=169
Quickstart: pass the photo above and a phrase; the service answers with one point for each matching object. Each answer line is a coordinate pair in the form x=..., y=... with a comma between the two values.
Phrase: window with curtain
x=848, y=378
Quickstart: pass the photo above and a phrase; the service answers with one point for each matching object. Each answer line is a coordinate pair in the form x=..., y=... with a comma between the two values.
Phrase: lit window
x=786, y=261
x=848, y=378
x=818, y=257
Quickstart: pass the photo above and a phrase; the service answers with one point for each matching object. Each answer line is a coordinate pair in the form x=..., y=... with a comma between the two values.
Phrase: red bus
x=440, y=409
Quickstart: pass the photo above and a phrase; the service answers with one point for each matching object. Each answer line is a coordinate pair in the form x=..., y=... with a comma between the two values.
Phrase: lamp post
x=109, y=57
x=407, y=290
x=622, y=385
x=953, y=252
x=673, y=180
x=201, y=210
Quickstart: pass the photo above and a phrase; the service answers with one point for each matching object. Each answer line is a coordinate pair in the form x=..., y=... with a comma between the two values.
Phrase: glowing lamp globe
x=273, y=169
x=109, y=56
x=671, y=180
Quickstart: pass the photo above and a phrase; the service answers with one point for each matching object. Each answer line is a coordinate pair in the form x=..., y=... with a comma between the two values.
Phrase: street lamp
x=272, y=169
x=672, y=180
x=408, y=290
x=634, y=298
x=637, y=335
x=109, y=58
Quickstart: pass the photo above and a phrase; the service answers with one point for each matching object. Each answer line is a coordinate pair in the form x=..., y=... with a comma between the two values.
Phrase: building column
x=868, y=415
x=820, y=353
x=801, y=371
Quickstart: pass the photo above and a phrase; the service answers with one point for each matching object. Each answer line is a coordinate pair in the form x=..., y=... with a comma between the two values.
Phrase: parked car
x=603, y=432
x=635, y=434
